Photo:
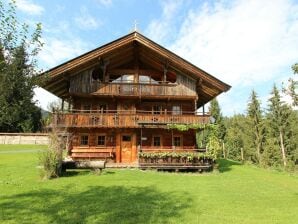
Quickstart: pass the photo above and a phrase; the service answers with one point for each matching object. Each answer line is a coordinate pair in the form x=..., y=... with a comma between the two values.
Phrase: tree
x=278, y=119
x=256, y=120
x=292, y=88
x=18, y=50
x=215, y=112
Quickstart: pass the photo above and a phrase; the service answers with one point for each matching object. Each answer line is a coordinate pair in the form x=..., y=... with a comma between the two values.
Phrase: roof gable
x=124, y=50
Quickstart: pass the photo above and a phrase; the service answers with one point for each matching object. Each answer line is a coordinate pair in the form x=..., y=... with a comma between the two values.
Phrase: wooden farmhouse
x=119, y=100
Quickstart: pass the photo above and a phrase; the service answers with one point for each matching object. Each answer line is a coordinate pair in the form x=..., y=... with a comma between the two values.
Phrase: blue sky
x=249, y=44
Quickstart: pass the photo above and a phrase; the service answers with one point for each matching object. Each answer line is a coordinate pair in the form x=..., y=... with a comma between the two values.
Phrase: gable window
x=157, y=109
x=97, y=74
x=176, y=110
x=156, y=141
x=84, y=140
x=177, y=141
x=101, y=140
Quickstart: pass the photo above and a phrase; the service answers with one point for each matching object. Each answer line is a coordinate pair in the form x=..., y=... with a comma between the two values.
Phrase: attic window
x=97, y=74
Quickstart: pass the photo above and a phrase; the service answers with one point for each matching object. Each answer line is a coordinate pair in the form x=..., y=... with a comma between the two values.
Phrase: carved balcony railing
x=124, y=120
x=135, y=89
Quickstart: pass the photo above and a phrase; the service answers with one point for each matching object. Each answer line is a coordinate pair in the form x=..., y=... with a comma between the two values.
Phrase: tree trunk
x=224, y=150
x=259, y=151
x=283, y=151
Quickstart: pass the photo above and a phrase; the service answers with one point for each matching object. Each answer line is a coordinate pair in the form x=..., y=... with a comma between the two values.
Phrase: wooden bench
x=84, y=164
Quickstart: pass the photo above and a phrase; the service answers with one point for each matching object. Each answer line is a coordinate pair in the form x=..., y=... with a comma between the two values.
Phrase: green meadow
x=236, y=194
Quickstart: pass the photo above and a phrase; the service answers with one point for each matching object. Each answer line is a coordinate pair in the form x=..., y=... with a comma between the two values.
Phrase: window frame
x=105, y=140
x=159, y=111
x=181, y=141
x=175, y=111
x=160, y=141
x=88, y=139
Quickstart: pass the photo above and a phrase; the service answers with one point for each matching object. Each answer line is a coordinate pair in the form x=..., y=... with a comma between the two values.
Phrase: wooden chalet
x=122, y=96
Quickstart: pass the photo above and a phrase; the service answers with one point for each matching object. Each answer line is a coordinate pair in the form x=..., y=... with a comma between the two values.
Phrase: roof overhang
x=123, y=50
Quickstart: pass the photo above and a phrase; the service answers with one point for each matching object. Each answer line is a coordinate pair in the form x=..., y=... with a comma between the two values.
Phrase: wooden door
x=126, y=148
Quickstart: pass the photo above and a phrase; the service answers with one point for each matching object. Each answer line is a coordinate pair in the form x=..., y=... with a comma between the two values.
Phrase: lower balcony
x=124, y=120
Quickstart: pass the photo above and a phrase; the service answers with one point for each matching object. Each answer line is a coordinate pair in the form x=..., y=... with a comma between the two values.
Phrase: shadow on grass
x=115, y=204
x=71, y=173
x=225, y=165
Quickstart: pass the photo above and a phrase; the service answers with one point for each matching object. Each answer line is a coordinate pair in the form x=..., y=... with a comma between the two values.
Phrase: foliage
x=215, y=112
x=292, y=88
x=270, y=140
x=255, y=119
x=186, y=127
x=18, y=51
x=190, y=156
x=278, y=122
x=51, y=158
x=213, y=145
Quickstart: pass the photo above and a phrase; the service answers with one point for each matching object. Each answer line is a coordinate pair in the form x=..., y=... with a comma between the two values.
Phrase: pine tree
x=215, y=112
x=278, y=121
x=18, y=111
x=256, y=121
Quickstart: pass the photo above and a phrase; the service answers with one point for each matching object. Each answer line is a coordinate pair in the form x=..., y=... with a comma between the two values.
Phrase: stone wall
x=24, y=138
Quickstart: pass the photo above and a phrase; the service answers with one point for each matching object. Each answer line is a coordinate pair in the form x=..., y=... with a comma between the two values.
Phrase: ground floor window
x=101, y=140
x=84, y=140
x=157, y=141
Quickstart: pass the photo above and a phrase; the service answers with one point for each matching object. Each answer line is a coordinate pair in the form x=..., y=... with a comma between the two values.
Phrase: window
x=97, y=74
x=126, y=138
x=101, y=140
x=102, y=108
x=177, y=141
x=176, y=110
x=84, y=139
x=157, y=109
x=86, y=108
x=156, y=141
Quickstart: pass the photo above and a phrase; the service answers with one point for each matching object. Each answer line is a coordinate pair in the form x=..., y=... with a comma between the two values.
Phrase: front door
x=126, y=148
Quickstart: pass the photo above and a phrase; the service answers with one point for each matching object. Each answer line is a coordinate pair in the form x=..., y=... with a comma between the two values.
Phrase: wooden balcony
x=125, y=120
x=135, y=89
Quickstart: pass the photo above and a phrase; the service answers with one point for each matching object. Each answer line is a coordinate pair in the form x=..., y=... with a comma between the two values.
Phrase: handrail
x=123, y=120
x=168, y=112
x=134, y=89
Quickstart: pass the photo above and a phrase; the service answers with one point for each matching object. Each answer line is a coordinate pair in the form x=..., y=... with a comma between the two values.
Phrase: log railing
x=124, y=120
x=137, y=89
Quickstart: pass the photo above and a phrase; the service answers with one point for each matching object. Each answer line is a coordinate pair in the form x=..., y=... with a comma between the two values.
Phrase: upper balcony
x=127, y=119
x=143, y=90
x=127, y=86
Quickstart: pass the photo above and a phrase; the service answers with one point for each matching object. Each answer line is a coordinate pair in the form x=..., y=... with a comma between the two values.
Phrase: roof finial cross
x=136, y=25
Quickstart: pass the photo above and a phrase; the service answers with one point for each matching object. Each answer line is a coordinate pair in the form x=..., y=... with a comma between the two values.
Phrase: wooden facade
x=120, y=99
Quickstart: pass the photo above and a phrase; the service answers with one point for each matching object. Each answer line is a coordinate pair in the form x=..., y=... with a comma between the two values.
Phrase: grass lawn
x=237, y=194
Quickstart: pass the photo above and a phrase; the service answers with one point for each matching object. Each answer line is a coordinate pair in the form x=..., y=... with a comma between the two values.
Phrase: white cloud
x=246, y=42
x=56, y=50
x=104, y=2
x=86, y=21
x=29, y=7
x=160, y=29
x=44, y=98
